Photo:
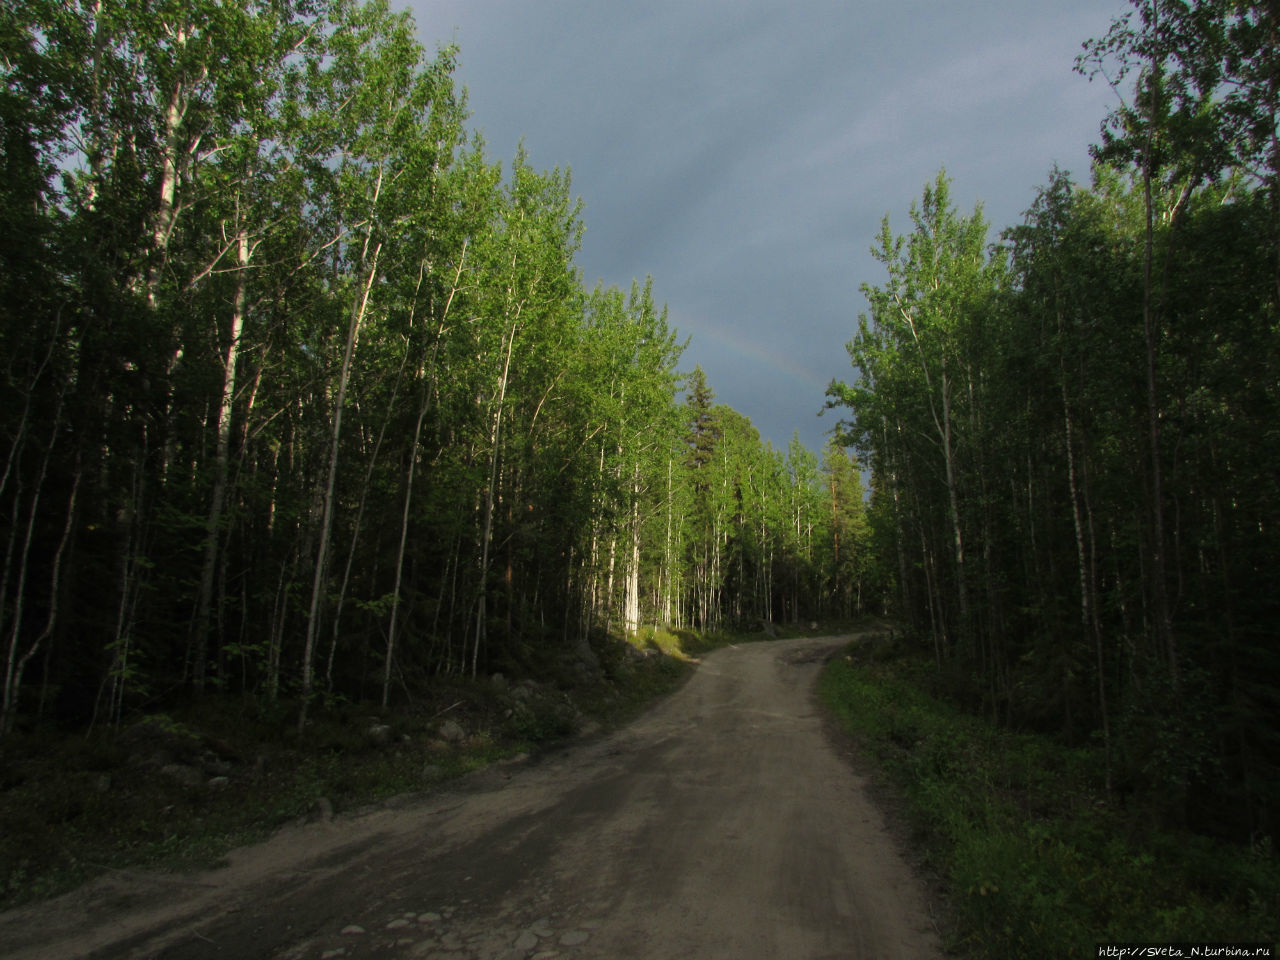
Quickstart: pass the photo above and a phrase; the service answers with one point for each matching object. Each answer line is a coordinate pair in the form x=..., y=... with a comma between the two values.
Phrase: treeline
x=1073, y=432
x=305, y=398
x=765, y=536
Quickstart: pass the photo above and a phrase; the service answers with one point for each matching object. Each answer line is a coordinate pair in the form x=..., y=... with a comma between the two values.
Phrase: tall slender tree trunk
x=222, y=457
x=943, y=426
x=631, y=601
x=357, y=527
x=666, y=574
x=326, y=516
x=1087, y=619
x=953, y=503
x=486, y=535
x=15, y=663
x=166, y=214
x=608, y=588
x=423, y=406
x=1159, y=587
x=1095, y=616
x=404, y=539
x=117, y=679
x=935, y=628
x=165, y=219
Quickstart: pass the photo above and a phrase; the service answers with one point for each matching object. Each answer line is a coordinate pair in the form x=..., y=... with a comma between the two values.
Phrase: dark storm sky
x=743, y=153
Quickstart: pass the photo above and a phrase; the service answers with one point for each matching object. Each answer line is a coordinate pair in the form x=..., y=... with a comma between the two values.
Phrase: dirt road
x=723, y=824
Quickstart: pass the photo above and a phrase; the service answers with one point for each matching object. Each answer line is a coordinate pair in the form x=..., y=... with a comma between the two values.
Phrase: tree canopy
x=1072, y=431
x=305, y=398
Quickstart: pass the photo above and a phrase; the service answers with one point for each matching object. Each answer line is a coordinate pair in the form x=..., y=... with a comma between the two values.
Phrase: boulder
x=214, y=767
x=322, y=810
x=451, y=731
x=221, y=748
x=184, y=774
x=158, y=742
x=167, y=747
x=157, y=758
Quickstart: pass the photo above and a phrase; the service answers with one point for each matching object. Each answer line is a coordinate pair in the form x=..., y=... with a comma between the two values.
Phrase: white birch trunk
x=222, y=458
x=326, y=517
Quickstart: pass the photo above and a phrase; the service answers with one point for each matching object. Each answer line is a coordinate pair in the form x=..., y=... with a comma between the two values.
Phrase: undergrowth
x=1036, y=860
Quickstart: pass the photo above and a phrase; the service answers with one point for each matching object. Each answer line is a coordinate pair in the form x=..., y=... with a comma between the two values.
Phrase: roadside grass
x=1036, y=862
x=73, y=806
x=686, y=645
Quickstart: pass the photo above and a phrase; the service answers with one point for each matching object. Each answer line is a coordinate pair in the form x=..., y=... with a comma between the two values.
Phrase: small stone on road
x=526, y=941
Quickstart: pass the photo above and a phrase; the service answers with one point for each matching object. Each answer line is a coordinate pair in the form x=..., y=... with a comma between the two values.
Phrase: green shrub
x=1038, y=861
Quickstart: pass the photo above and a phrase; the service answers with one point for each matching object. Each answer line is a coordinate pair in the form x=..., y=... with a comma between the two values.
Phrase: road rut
x=723, y=823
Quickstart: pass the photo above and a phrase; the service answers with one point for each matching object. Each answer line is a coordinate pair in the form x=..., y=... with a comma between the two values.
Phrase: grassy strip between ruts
x=1035, y=862
x=73, y=806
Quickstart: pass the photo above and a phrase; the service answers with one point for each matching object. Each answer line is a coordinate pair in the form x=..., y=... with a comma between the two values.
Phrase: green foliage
x=1034, y=855
x=544, y=720
x=665, y=642
x=295, y=354
x=306, y=391
x=1069, y=431
x=704, y=430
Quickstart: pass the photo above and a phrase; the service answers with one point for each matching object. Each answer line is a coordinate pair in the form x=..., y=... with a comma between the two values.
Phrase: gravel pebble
x=526, y=941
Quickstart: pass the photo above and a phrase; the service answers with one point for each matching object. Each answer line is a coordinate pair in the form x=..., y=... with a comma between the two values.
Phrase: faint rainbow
x=780, y=362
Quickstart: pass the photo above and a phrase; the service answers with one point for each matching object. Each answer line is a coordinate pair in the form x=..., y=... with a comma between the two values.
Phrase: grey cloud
x=743, y=151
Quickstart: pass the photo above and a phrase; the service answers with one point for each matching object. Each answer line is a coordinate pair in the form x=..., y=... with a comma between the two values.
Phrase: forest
x=1073, y=431
x=310, y=422
x=306, y=402
x=305, y=399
